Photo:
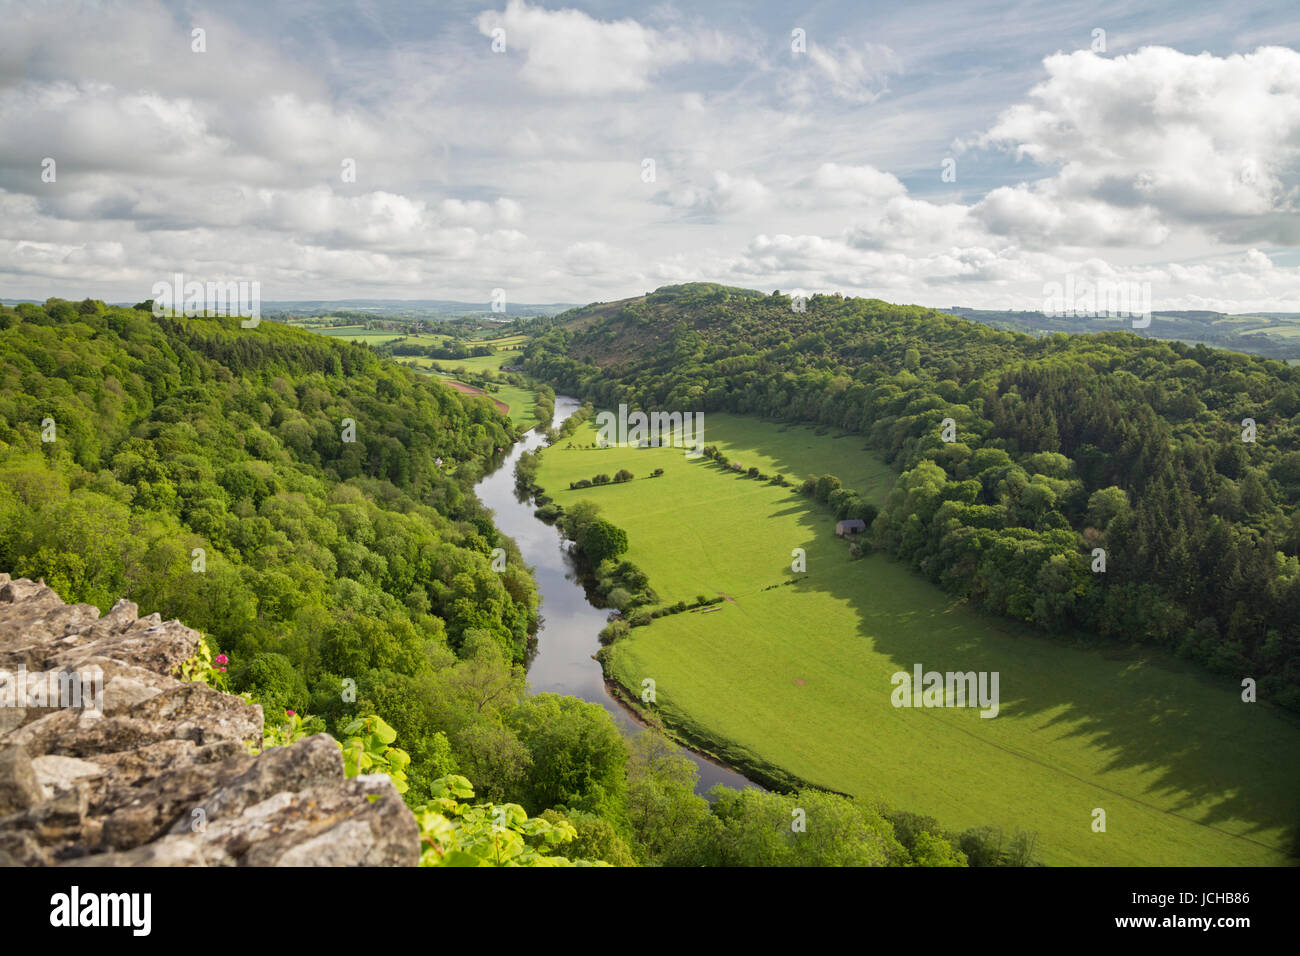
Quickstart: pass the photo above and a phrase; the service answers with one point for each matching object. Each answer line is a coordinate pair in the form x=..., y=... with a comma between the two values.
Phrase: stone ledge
x=163, y=776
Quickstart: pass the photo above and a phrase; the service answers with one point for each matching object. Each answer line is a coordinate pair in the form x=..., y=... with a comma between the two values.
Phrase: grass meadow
x=522, y=402
x=792, y=673
x=479, y=363
x=356, y=333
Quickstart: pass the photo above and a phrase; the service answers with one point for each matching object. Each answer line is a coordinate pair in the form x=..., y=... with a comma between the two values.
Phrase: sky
x=943, y=154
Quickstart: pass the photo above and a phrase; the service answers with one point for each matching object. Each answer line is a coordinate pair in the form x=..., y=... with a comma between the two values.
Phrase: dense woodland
x=322, y=559
x=204, y=471
x=1064, y=444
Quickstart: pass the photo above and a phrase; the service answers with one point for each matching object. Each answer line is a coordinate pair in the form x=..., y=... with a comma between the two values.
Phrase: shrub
x=824, y=486
x=601, y=479
x=600, y=539
x=612, y=631
x=623, y=475
x=274, y=682
x=656, y=473
x=864, y=510
x=839, y=500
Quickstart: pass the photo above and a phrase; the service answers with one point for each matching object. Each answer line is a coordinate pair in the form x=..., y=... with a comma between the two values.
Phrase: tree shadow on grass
x=784, y=442
x=1208, y=758
x=1218, y=762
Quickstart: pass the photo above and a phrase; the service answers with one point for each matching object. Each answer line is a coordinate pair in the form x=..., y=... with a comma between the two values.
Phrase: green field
x=1285, y=331
x=522, y=401
x=798, y=677
x=355, y=333
x=480, y=363
x=509, y=351
x=508, y=342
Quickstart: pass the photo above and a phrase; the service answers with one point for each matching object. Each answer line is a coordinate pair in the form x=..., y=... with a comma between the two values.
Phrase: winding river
x=567, y=638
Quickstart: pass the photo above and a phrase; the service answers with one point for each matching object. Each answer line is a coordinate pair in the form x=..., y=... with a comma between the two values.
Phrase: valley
x=789, y=680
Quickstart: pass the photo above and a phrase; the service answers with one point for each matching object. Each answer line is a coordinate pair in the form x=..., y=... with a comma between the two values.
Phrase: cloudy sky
x=937, y=153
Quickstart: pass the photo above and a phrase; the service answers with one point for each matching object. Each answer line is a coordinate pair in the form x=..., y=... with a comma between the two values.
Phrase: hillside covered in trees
x=1180, y=463
x=204, y=471
x=308, y=506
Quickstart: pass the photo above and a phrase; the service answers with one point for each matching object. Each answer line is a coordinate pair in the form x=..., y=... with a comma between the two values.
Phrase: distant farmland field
x=479, y=363
x=521, y=403
x=356, y=333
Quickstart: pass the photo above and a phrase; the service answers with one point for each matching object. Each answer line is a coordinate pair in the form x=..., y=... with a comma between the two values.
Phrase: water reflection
x=562, y=661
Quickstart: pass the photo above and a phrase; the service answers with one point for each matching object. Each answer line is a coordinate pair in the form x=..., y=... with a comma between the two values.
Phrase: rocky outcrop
x=151, y=771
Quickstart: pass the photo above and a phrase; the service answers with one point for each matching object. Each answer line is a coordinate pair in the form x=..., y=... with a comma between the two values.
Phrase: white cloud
x=725, y=194
x=1039, y=216
x=857, y=73
x=1162, y=137
x=480, y=214
x=588, y=258
x=857, y=183
x=775, y=170
x=567, y=51
x=907, y=223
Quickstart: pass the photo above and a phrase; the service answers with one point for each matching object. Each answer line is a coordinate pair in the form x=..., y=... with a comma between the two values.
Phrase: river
x=568, y=636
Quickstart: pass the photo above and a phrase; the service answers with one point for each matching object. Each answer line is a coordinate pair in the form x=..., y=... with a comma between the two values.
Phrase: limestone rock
x=62, y=773
x=168, y=773
x=19, y=788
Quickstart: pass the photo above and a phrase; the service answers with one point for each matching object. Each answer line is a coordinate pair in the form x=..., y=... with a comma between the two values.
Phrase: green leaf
x=382, y=730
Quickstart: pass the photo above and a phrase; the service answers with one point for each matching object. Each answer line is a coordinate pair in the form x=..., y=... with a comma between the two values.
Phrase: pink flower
x=290, y=713
x=222, y=669
x=223, y=659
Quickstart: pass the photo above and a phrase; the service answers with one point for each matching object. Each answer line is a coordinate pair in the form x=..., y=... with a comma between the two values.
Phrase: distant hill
x=413, y=308
x=1271, y=334
x=387, y=308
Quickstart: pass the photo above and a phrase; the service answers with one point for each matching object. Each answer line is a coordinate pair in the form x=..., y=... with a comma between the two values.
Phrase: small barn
x=850, y=526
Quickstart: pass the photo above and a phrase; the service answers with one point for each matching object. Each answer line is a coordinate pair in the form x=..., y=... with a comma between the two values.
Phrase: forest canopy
x=205, y=472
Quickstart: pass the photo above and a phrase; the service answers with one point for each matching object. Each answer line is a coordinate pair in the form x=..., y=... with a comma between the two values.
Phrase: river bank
x=564, y=661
